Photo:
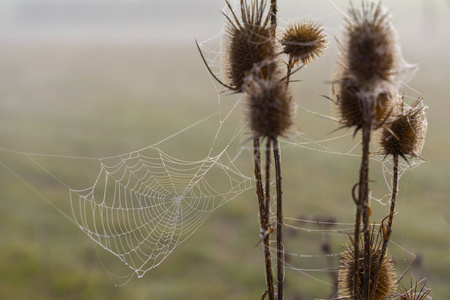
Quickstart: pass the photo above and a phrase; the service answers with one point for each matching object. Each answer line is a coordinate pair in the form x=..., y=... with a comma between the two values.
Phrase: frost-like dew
x=144, y=204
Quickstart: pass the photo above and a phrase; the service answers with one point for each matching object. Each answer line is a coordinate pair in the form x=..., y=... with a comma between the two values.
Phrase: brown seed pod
x=358, y=101
x=414, y=294
x=248, y=42
x=405, y=135
x=370, y=50
x=304, y=41
x=269, y=104
x=386, y=286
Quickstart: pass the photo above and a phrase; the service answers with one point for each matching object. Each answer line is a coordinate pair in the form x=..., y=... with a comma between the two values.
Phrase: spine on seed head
x=413, y=293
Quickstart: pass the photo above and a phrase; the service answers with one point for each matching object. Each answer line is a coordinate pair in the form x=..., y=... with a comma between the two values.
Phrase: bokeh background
x=98, y=78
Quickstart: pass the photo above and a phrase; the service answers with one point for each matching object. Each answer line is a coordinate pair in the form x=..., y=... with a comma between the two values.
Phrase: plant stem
x=267, y=200
x=394, y=194
x=387, y=235
x=273, y=17
x=364, y=196
x=289, y=72
x=276, y=154
x=362, y=206
x=280, y=246
x=264, y=210
x=268, y=165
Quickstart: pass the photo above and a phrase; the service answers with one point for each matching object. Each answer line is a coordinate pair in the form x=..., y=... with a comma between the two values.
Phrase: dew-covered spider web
x=144, y=204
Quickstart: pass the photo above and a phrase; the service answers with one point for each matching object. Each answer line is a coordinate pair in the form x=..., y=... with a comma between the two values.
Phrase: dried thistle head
x=386, y=286
x=358, y=101
x=304, y=41
x=414, y=294
x=247, y=42
x=405, y=135
x=269, y=104
x=371, y=49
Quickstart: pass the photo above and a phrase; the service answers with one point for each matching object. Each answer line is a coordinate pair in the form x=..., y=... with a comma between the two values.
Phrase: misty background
x=181, y=20
x=94, y=78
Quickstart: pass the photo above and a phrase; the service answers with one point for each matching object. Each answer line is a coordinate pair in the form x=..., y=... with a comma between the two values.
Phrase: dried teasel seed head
x=414, y=294
x=304, y=41
x=247, y=42
x=270, y=108
x=358, y=101
x=386, y=286
x=371, y=50
x=405, y=135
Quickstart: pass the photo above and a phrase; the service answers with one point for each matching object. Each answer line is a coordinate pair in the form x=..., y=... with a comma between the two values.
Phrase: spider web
x=144, y=204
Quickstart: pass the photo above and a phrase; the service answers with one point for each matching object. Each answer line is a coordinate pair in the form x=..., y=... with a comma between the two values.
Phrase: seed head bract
x=414, y=293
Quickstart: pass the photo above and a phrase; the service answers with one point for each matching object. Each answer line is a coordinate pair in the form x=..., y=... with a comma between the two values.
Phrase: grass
x=103, y=99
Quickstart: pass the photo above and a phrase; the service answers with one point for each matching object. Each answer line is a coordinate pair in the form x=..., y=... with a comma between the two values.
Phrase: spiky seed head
x=356, y=101
x=247, y=42
x=414, y=294
x=386, y=286
x=304, y=41
x=371, y=49
x=405, y=135
x=270, y=106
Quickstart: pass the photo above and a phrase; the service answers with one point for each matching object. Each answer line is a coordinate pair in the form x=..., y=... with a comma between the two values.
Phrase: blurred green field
x=102, y=99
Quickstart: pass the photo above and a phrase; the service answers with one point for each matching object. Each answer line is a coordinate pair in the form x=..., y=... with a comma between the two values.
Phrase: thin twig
x=280, y=246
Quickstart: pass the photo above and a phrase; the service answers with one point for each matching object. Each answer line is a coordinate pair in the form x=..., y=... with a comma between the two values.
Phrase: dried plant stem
x=268, y=164
x=273, y=15
x=264, y=211
x=280, y=246
x=289, y=71
x=387, y=235
x=276, y=154
x=394, y=194
x=362, y=211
